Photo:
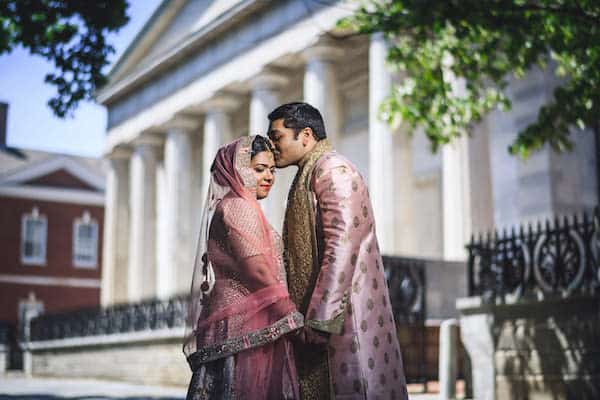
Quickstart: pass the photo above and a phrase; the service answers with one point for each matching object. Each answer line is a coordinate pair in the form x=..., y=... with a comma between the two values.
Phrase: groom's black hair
x=298, y=116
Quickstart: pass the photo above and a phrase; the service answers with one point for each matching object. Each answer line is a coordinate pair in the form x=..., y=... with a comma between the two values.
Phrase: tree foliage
x=69, y=33
x=484, y=42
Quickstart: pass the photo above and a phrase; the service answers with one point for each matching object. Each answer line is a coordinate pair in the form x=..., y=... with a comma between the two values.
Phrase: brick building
x=51, y=225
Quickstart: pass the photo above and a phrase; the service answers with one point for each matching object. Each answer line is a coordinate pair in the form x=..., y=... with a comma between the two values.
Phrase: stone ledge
x=561, y=387
x=156, y=363
x=538, y=378
x=528, y=308
x=105, y=340
x=562, y=333
x=546, y=349
x=515, y=364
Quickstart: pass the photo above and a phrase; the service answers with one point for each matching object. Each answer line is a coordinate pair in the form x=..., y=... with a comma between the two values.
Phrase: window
x=85, y=242
x=33, y=238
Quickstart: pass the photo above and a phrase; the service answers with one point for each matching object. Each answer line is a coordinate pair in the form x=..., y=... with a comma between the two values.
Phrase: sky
x=31, y=123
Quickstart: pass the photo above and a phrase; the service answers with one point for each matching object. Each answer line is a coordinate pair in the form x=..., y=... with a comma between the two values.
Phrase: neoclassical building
x=202, y=72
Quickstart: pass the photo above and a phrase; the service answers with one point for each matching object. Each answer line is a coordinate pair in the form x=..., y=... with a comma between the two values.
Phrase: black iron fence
x=406, y=279
x=559, y=257
x=406, y=283
x=152, y=314
x=5, y=330
x=9, y=340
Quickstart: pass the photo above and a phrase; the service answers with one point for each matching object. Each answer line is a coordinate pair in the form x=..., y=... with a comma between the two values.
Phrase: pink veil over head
x=221, y=321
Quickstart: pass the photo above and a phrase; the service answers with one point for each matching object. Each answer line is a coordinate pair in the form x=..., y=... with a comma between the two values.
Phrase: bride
x=237, y=341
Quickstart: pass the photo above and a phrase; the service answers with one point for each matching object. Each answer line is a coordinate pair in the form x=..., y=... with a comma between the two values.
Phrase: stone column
x=174, y=272
x=476, y=327
x=381, y=156
x=448, y=359
x=264, y=98
x=116, y=229
x=28, y=310
x=456, y=199
x=217, y=131
x=480, y=177
x=456, y=184
x=164, y=270
x=142, y=251
x=321, y=85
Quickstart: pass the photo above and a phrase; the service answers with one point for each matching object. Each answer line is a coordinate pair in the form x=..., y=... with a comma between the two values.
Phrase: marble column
x=116, y=229
x=142, y=276
x=321, y=85
x=174, y=270
x=381, y=153
x=456, y=199
x=162, y=249
x=217, y=131
x=265, y=96
x=404, y=196
x=480, y=177
x=456, y=184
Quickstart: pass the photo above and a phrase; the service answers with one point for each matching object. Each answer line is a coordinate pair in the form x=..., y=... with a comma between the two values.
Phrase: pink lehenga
x=240, y=312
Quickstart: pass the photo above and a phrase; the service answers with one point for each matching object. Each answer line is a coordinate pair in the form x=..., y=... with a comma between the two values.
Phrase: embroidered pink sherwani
x=351, y=290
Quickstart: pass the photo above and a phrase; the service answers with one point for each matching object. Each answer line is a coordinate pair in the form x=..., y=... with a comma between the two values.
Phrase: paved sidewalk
x=19, y=387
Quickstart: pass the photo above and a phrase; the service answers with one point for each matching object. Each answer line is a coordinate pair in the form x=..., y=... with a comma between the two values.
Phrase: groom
x=349, y=347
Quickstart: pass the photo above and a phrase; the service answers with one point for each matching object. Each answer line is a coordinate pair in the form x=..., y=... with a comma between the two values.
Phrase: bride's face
x=263, y=166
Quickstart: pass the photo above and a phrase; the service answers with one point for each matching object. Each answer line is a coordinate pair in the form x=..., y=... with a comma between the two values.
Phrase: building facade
x=203, y=72
x=51, y=217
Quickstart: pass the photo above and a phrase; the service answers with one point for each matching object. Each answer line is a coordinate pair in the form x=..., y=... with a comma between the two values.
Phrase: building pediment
x=174, y=28
x=62, y=179
x=61, y=172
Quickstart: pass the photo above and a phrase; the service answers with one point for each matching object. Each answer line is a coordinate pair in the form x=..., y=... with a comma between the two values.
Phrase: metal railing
x=406, y=279
x=147, y=315
x=406, y=283
x=556, y=258
x=5, y=330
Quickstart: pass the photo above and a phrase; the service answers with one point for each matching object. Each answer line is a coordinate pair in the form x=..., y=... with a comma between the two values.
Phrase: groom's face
x=289, y=147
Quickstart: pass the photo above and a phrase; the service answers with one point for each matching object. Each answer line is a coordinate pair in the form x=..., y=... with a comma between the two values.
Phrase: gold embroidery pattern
x=242, y=163
x=299, y=236
x=257, y=338
x=298, y=227
x=333, y=325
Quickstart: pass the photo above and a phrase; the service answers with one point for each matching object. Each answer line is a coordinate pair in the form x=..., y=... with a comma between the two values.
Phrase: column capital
x=119, y=152
x=269, y=78
x=181, y=122
x=147, y=139
x=322, y=51
x=220, y=103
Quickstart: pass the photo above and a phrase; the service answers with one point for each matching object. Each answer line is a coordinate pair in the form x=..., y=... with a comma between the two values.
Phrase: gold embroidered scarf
x=299, y=236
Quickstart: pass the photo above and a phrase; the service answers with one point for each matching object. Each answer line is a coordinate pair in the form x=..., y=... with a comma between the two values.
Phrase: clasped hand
x=307, y=335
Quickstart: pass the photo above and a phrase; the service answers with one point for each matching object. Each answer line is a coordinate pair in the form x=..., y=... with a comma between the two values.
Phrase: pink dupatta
x=239, y=305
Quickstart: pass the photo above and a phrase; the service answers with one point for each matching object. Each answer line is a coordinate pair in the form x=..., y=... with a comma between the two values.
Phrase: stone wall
x=446, y=282
x=533, y=349
x=4, y=354
x=154, y=358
